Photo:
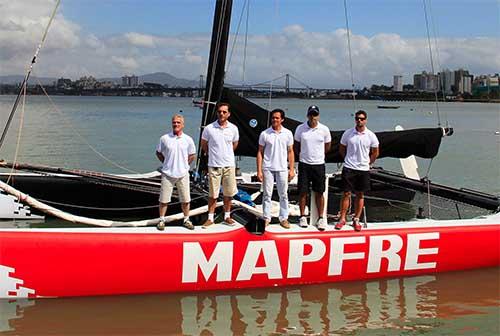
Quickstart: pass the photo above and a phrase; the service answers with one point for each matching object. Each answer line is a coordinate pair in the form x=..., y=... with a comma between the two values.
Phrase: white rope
x=47, y=209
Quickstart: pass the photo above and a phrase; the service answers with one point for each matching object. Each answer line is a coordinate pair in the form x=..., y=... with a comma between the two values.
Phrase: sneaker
x=188, y=225
x=355, y=223
x=207, y=223
x=340, y=225
x=266, y=222
x=229, y=221
x=285, y=224
x=321, y=224
x=161, y=225
x=303, y=222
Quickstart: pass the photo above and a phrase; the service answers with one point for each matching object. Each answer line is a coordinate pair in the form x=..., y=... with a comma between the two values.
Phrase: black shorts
x=355, y=180
x=311, y=174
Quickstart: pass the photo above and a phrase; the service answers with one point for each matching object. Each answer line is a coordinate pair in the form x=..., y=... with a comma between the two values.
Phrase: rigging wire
x=236, y=36
x=212, y=68
x=28, y=73
x=431, y=60
x=246, y=43
x=438, y=58
x=54, y=106
x=350, y=56
x=270, y=99
x=20, y=130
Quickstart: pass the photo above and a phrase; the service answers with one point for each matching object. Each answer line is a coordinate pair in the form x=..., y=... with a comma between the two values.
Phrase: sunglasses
x=358, y=118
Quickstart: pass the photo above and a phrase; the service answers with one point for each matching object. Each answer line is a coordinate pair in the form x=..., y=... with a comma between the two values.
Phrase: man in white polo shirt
x=176, y=151
x=219, y=140
x=360, y=148
x=275, y=162
x=312, y=141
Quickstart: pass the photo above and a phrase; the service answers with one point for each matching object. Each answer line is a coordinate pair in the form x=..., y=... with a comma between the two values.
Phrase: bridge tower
x=201, y=86
x=287, y=83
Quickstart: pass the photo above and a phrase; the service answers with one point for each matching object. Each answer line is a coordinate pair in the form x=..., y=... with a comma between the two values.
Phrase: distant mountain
x=15, y=79
x=168, y=79
x=157, y=77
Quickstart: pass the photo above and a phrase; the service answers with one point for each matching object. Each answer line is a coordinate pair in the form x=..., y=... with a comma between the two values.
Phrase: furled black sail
x=252, y=119
x=216, y=69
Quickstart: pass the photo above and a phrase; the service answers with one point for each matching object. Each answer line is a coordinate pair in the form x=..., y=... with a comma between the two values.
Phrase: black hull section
x=79, y=197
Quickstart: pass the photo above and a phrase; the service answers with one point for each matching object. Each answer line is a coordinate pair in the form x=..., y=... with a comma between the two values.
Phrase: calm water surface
x=126, y=130
x=462, y=303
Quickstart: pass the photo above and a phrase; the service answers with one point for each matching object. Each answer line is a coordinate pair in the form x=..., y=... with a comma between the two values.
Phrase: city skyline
x=87, y=38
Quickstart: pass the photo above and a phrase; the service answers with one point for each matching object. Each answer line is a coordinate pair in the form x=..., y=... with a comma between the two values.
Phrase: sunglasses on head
x=359, y=118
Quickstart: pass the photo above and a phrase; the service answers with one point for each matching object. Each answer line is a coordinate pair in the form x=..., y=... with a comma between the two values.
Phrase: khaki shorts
x=227, y=176
x=167, y=187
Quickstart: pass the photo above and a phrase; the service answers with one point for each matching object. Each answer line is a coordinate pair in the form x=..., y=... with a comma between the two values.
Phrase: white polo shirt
x=275, y=148
x=176, y=151
x=220, y=144
x=312, y=142
x=358, y=148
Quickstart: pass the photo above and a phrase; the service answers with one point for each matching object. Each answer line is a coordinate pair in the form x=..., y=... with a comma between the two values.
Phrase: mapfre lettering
x=219, y=265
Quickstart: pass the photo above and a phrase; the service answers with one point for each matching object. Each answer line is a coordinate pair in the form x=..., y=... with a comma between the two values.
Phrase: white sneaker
x=303, y=222
x=321, y=224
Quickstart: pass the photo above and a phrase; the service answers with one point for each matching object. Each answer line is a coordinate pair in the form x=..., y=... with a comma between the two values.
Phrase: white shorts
x=167, y=187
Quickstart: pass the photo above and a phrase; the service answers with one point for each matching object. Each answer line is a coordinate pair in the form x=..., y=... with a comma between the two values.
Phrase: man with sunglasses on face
x=312, y=141
x=360, y=148
x=219, y=140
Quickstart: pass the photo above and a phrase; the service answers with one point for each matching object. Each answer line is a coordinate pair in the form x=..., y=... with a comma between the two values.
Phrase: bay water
x=70, y=131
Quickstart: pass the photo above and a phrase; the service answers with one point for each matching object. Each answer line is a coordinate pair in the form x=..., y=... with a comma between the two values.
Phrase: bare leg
x=185, y=209
x=163, y=209
x=359, y=204
x=211, y=205
x=320, y=203
x=302, y=203
x=227, y=204
x=346, y=200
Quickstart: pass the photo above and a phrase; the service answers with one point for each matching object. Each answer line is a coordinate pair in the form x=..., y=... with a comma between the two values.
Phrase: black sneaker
x=161, y=225
x=188, y=225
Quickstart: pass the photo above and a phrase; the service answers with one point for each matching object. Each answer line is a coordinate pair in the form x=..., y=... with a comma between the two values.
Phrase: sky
x=305, y=38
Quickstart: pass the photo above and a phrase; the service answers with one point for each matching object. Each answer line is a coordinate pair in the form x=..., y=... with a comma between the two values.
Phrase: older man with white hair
x=176, y=151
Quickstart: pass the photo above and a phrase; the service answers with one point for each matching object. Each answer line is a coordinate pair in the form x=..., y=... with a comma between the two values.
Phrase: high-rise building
x=446, y=81
x=398, y=83
x=425, y=81
x=130, y=81
x=463, y=81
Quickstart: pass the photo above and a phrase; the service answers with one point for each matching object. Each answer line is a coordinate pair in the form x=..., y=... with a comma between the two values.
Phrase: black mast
x=215, y=71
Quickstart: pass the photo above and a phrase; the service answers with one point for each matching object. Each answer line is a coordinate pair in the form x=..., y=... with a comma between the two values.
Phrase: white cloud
x=318, y=59
x=126, y=63
x=140, y=40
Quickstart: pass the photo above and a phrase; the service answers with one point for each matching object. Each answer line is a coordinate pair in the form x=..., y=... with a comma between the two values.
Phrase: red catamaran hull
x=82, y=262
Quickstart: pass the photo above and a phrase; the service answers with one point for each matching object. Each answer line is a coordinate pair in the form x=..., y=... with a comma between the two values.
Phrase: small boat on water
x=111, y=260
x=388, y=106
